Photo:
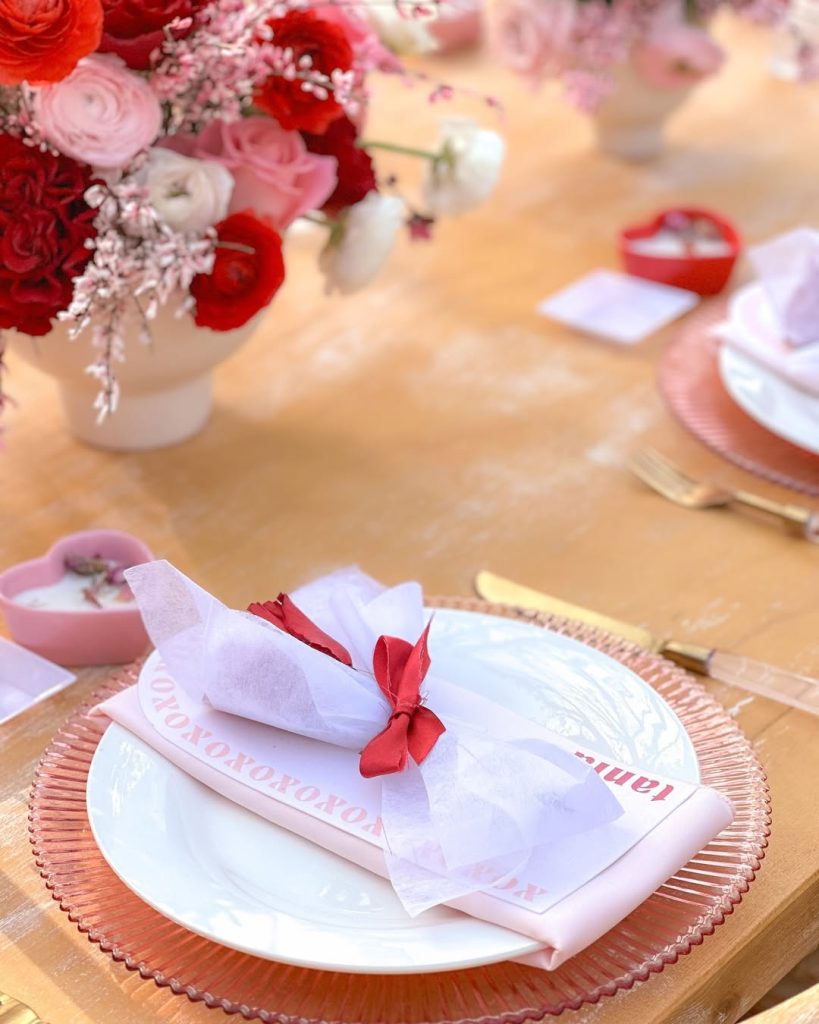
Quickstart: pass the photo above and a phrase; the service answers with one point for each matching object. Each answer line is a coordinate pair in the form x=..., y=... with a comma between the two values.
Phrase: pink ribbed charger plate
x=674, y=919
x=691, y=384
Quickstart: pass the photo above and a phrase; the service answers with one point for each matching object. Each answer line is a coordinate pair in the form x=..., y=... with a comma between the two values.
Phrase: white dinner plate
x=227, y=874
x=781, y=407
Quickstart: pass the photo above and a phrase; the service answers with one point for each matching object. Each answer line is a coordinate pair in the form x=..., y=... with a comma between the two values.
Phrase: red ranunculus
x=43, y=40
x=325, y=43
x=44, y=225
x=248, y=271
x=135, y=28
x=354, y=170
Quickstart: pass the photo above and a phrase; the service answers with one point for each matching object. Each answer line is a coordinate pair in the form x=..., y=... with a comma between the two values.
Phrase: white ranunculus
x=466, y=169
x=359, y=246
x=400, y=26
x=189, y=194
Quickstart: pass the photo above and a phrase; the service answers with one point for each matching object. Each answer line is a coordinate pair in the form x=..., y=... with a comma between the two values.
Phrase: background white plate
x=776, y=404
x=785, y=410
x=233, y=877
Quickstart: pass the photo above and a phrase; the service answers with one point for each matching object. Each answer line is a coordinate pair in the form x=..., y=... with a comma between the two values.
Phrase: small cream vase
x=630, y=123
x=165, y=386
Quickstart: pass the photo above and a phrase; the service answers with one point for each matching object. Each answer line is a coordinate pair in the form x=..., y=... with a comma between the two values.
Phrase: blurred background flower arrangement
x=153, y=153
x=597, y=48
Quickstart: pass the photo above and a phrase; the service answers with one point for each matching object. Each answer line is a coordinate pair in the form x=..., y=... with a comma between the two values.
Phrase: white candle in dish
x=673, y=245
x=76, y=592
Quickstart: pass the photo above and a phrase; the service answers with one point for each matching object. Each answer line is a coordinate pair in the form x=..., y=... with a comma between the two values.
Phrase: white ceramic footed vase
x=165, y=386
x=630, y=123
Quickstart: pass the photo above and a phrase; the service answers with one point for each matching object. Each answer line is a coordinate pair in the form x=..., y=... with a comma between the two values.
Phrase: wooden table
x=434, y=425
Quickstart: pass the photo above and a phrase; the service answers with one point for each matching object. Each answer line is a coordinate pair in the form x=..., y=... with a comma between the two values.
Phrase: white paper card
x=323, y=781
x=26, y=678
x=616, y=306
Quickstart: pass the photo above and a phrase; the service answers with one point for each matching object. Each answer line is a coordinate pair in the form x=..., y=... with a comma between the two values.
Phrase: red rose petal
x=307, y=35
x=354, y=165
x=134, y=29
x=44, y=225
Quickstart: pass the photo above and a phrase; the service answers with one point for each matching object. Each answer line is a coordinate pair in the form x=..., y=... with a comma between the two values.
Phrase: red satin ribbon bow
x=399, y=668
x=412, y=730
x=290, y=619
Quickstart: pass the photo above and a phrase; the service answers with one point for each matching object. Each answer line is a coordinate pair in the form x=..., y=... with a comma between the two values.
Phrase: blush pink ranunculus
x=275, y=175
x=676, y=56
x=533, y=37
x=103, y=114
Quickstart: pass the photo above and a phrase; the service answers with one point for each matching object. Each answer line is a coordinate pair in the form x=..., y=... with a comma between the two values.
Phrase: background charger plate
x=234, y=878
x=779, y=406
x=677, y=917
x=690, y=383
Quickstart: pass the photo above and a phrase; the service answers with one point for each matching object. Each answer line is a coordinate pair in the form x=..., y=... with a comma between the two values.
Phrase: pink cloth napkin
x=564, y=929
x=488, y=801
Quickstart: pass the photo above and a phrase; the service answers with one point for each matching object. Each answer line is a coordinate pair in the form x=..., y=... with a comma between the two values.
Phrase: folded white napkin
x=775, y=321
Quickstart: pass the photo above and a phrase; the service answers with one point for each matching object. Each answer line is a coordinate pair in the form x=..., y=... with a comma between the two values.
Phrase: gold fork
x=12, y=1011
x=667, y=479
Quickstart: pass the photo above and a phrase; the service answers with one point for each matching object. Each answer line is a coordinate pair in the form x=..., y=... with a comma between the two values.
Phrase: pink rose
x=275, y=175
x=533, y=38
x=103, y=114
x=676, y=56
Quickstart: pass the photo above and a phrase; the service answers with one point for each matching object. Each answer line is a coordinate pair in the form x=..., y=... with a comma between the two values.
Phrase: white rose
x=466, y=169
x=189, y=194
x=359, y=246
x=400, y=27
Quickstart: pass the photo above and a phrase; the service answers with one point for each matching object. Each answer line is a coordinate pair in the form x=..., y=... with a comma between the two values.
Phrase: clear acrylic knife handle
x=777, y=684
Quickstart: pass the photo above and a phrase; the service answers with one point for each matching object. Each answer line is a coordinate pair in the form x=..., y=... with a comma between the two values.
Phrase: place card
x=26, y=679
x=616, y=306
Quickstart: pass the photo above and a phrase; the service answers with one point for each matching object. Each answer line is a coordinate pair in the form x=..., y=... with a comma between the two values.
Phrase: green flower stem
x=396, y=147
x=317, y=218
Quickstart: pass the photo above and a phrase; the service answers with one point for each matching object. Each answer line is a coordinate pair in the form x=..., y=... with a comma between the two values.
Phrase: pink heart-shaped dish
x=97, y=636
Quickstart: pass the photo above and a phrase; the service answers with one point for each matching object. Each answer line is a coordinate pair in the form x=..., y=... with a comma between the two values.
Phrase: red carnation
x=44, y=225
x=42, y=40
x=354, y=171
x=247, y=273
x=328, y=48
x=135, y=28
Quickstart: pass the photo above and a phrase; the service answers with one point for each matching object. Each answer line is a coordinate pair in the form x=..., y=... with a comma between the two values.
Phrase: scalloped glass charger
x=691, y=381
x=671, y=713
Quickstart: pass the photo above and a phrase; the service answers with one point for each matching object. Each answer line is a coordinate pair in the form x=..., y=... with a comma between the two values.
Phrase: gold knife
x=756, y=677
x=12, y=1011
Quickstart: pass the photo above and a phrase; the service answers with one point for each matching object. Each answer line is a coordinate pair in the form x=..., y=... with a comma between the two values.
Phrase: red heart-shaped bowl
x=705, y=275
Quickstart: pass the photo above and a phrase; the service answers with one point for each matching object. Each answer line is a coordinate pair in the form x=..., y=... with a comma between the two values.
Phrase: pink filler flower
x=676, y=56
x=534, y=38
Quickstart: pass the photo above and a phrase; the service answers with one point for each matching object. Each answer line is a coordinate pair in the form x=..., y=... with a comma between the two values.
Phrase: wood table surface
x=434, y=425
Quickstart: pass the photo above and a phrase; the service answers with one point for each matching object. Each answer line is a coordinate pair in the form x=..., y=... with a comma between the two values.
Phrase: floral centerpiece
x=153, y=153
x=625, y=60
